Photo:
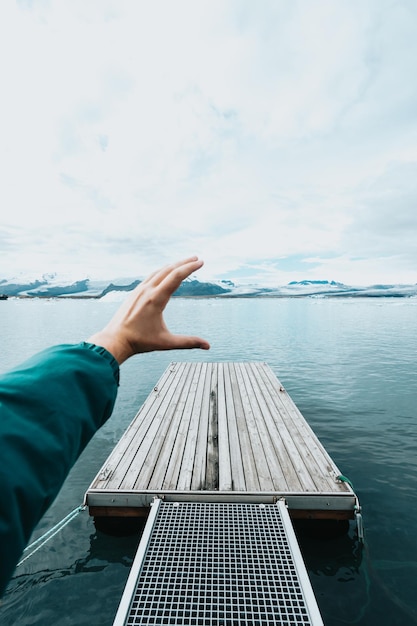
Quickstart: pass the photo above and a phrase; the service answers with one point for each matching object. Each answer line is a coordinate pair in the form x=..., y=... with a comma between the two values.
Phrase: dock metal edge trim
x=308, y=592
x=130, y=587
x=295, y=500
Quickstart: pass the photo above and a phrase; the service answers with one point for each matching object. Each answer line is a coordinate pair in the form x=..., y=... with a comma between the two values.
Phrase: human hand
x=138, y=325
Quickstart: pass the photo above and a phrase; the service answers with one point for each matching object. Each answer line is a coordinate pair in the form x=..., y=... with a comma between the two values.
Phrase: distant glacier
x=54, y=286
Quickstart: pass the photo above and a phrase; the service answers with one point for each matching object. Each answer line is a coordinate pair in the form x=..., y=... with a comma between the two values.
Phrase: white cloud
x=249, y=133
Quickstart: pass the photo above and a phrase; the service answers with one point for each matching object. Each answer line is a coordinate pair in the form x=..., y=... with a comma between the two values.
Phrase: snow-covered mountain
x=56, y=286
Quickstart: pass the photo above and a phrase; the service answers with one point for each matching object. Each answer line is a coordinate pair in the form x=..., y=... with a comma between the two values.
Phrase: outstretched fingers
x=174, y=277
x=158, y=276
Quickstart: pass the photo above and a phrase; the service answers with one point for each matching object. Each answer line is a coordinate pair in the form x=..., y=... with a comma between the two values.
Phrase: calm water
x=350, y=366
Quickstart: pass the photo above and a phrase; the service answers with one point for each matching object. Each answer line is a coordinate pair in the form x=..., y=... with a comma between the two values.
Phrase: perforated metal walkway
x=226, y=564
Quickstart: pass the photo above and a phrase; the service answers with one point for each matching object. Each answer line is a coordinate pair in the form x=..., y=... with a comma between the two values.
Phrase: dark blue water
x=350, y=366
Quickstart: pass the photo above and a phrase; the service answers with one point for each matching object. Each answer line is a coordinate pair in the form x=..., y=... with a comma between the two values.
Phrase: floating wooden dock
x=220, y=432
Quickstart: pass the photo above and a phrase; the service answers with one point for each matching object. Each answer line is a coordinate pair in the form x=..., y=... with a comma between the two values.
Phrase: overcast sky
x=276, y=139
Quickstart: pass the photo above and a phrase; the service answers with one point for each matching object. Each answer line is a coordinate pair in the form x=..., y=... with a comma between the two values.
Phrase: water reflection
x=330, y=556
x=38, y=597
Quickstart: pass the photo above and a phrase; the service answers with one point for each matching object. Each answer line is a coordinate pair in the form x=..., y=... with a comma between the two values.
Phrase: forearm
x=53, y=404
x=50, y=407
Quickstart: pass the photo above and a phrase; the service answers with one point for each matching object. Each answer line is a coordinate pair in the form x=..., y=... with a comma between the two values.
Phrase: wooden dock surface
x=222, y=431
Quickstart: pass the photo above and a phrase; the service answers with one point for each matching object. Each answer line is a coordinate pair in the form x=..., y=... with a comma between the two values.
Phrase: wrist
x=119, y=350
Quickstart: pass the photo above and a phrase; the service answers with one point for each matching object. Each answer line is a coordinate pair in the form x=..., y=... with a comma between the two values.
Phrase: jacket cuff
x=106, y=355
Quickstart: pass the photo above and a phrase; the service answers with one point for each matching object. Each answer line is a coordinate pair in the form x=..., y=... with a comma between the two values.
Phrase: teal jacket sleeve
x=50, y=407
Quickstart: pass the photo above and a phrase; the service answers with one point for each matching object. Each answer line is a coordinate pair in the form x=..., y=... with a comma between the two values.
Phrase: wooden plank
x=259, y=414
x=281, y=466
x=131, y=437
x=190, y=452
x=322, y=469
x=155, y=451
x=225, y=472
x=198, y=481
x=249, y=465
x=153, y=468
x=261, y=465
x=140, y=456
x=235, y=451
x=281, y=441
x=212, y=465
x=179, y=431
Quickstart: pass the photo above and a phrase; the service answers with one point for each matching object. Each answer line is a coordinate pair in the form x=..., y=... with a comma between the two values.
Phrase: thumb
x=185, y=342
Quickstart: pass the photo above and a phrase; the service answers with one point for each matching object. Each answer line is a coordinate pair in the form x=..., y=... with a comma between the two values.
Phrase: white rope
x=50, y=533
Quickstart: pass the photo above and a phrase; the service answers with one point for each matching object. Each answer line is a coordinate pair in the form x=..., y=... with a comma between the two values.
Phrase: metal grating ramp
x=218, y=563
